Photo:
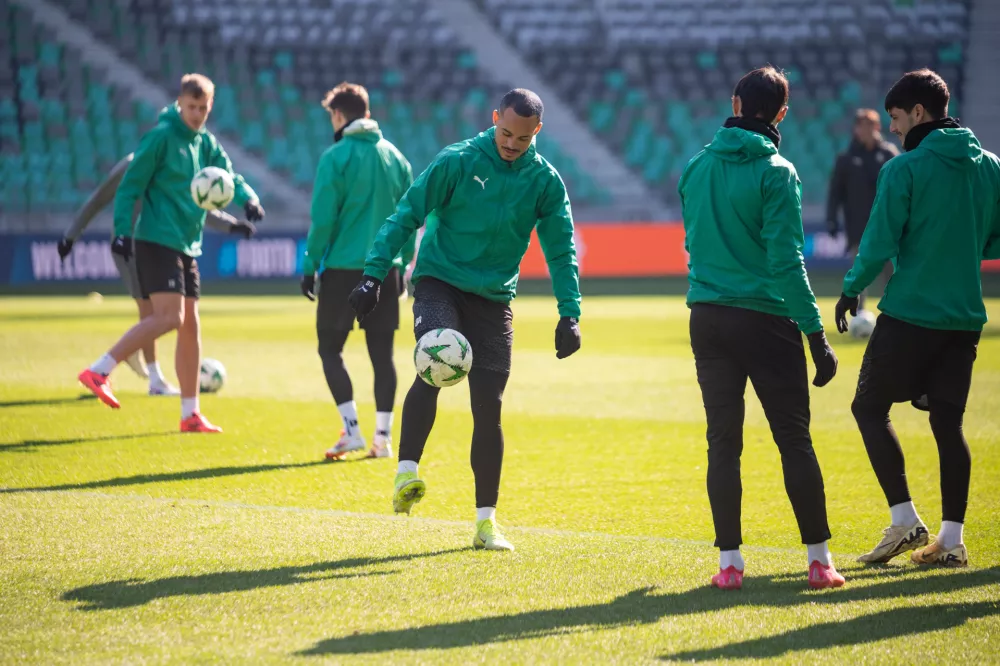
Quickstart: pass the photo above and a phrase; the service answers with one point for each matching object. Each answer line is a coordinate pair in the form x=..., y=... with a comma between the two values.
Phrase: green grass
x=124, y=542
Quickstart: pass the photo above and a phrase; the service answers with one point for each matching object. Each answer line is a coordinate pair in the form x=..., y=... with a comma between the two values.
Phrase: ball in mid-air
x=861, y=327
x=443, y=357
x=212, y=375
x=212, y=188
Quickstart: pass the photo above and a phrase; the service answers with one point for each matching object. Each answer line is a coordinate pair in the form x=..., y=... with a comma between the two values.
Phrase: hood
x=363, y=129
x=957, y=146
x=734, y=144
x=171, y=114
x=486, y=142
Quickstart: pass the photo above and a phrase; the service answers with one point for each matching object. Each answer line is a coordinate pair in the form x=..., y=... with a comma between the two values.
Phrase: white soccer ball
x=861, y=327
x=443, y=357
x=212, y=188
x=212, y=375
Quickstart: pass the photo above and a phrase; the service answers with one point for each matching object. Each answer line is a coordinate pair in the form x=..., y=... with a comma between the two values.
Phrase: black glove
x=122, y=246
x=567, y=337
x=844, y=305
x=364, y=298
x=64, y=247
x=833, y=227
x=246, y=229
x=254, y=211
x=823, y=358
x=308, y=284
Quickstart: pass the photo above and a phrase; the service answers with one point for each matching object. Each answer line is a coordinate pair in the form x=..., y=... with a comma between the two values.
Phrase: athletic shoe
x=198, y=423
x=409, y=490
x=344, y=446
x=488, y=536
x=100, y=386
x=381, y=447
x=138, y=366
x=897, y=540
x=729, y=578
x=164, y=389
x=822, y=577
x=935, y=554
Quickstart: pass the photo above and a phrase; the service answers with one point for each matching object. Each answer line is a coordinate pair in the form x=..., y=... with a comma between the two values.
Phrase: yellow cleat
x=409, y=490
x=488, y=536
x=935, y=554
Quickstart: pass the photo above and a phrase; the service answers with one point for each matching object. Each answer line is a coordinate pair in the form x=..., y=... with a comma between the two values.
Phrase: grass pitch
x=122, y=541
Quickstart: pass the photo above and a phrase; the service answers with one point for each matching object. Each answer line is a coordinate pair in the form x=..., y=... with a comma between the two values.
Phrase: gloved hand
x=567, y=337
x=308, y=284
x=844, y=305
x=64, y=247
x=254, y=211
x=246, y=229
x=823, y=358
x=364, y=298
x=122, y=246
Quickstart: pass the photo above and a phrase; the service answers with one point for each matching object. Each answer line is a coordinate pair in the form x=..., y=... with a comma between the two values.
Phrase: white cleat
x=344, y=446
x=381, y=447
x=138, y=366
x=897, y=540
x=164, y=389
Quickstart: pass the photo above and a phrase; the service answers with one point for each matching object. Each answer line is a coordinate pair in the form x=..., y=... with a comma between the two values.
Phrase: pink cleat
x=822, y=577
x=729, y=578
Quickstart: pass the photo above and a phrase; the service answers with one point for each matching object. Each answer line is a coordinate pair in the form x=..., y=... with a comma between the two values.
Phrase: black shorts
x=488, y=325
x=162, y=269
x=334, y=313
x=904, y=362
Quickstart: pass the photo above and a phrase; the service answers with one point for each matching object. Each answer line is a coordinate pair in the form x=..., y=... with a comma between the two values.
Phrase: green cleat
x=488, y=536
x=409, y=491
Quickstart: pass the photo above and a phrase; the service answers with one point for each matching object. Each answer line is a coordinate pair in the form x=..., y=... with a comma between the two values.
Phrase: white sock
x=104, y=365
x=383, y=423
x=819, y=552
x=405, y=466
x=904, y=514
x=950, y=534
x=189, y=406
x=156, y=377
x=731, y=558
x=349, y=415
x=486, y=513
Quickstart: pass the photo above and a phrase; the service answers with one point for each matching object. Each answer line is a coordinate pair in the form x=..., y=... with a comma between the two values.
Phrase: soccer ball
x=212, y=375
x=212, y=188
x=443, y=357
x=861, y=327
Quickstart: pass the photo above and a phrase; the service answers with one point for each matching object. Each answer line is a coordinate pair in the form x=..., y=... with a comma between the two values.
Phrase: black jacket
x=852, y=187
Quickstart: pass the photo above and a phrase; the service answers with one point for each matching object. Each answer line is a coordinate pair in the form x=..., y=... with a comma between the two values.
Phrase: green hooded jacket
x=936, y=216
x=742, y=209
x=168, y=157
x=359, y=181
x=485, y=210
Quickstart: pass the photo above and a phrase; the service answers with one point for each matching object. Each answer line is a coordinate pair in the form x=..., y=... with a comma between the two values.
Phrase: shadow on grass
x=142, y=479
x=32, y=444
x=126, y=593
x=48, y=401
x=858, y=631
x=643, y=606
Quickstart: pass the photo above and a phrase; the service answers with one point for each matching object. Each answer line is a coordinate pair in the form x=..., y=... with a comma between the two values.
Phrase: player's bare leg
x=187, y=364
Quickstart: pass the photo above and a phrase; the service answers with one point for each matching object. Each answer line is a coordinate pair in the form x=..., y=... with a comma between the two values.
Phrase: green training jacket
x=359, y=181
x=936, y=216
x=168, y=157
x=742, y=209
x=485, y=209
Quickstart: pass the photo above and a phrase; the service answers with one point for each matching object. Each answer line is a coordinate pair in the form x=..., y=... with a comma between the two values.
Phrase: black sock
x=380, y=353
x=331, y=346
x=486, y=389
x=955, y=459
x=419, y=410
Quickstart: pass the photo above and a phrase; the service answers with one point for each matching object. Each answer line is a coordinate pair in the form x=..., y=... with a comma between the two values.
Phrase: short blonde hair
x=868, y=115
x=197, y=85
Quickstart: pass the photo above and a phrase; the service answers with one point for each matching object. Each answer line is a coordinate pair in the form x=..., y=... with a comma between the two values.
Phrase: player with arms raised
x=488, y=193
x=168, y=240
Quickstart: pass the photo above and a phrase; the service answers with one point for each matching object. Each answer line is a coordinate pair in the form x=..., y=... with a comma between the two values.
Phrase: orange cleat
x=822, y=577
x=729, y=578
x=100, y=386
x=198, y=423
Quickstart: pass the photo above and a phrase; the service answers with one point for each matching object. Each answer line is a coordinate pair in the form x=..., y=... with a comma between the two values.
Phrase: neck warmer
x=920, y=132
x=757, y=126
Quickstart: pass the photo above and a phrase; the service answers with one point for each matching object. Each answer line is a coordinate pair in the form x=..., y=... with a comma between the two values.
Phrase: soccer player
x=488, y=193
x=936, y=217
x=852, y=185
x=750, y=303
x=359, y=181
x=100, y=198
x=168, y=240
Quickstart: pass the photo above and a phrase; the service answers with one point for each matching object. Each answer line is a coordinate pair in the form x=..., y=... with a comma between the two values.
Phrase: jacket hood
x=956, y=146
x=486, y=142
x=734, y=144
x=364, y=129
x=171, y=114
